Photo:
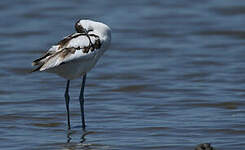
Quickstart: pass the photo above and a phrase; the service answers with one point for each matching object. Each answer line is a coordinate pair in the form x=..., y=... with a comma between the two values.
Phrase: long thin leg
x=81, y=99
x=67, y=98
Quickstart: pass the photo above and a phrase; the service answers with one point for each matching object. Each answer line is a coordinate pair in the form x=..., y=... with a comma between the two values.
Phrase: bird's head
x=83, y=26
x=90, y=26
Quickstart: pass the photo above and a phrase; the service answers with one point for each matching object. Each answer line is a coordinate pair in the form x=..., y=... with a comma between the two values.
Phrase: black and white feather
x=77, y=53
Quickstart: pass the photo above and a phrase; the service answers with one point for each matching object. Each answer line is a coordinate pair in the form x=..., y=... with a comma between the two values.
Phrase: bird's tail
x=39, y=62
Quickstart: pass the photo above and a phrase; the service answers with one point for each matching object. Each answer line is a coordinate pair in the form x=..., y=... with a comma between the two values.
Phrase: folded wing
x=73, y=47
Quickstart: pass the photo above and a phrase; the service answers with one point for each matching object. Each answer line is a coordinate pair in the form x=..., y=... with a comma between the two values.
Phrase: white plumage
x=70, y=61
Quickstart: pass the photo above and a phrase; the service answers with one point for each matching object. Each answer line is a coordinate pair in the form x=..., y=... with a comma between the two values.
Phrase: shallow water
x=172, y=78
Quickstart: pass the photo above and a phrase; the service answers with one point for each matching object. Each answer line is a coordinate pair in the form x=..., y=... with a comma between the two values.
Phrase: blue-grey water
x=173, y=77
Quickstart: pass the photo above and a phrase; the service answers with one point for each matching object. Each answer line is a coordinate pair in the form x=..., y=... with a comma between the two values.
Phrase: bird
x=204, y=146
x=75, y=55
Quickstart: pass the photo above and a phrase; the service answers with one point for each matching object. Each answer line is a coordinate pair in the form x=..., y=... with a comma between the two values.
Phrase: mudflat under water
x=173, y=77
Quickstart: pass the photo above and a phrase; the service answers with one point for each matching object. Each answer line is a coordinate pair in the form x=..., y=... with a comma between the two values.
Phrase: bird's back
x=73, y=56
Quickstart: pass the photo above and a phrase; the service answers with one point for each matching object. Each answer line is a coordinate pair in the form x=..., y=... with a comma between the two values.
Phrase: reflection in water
x=81, y=144
x=84, y=134
x=83, y=139
x=68, y=136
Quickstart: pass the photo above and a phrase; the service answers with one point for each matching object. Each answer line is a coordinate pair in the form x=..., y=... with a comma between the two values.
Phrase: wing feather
x=73, y=47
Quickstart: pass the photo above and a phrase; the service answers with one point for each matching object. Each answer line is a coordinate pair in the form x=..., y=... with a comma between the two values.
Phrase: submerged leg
x=67, y=98
x=81, y=99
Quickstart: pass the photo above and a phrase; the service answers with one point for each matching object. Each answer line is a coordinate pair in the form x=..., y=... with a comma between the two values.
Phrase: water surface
x=172, y=78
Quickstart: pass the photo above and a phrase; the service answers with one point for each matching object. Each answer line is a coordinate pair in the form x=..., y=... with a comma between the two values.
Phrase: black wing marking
x=64, y=51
